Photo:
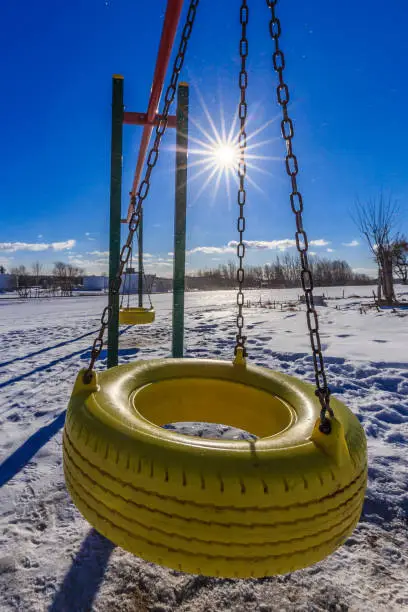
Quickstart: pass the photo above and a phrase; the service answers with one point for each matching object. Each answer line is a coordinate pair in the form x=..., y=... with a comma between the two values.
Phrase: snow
x=50, y=557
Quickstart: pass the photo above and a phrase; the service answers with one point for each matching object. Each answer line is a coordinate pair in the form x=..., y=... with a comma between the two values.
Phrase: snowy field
x=50, y=557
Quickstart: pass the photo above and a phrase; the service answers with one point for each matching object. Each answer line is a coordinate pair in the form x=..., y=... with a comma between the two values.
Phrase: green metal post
x=180, y=220
x=115, y=216
x=140, y=275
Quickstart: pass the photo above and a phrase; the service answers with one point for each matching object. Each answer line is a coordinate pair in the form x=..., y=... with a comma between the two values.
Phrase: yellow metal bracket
x=240, y=357
x=333, y=444
x=81, y=387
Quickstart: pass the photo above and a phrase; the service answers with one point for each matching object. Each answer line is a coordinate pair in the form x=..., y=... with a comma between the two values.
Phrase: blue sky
x=346, y=69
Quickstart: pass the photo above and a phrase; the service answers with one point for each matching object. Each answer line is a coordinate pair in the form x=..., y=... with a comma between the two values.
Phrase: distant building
x=7, y=282
x=95, y=283
x=130, y=283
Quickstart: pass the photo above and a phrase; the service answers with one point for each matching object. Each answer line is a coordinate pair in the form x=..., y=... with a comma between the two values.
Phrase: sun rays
x=214, y=153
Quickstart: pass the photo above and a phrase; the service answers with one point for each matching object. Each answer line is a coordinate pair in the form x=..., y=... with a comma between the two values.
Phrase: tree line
x=283, y=272
x=35, y=282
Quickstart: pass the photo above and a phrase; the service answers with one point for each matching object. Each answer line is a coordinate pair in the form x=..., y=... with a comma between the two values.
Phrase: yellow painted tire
x=136, y=316
x=215, y=507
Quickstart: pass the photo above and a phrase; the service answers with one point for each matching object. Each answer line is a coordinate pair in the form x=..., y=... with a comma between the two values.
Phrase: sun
x=217, y=153
x=225, y=156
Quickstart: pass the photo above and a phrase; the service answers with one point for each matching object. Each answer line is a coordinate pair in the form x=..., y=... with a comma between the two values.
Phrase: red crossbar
x=170, y=24
x=131, y=118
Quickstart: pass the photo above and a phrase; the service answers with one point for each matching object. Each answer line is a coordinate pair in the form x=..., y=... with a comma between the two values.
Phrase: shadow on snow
x=19, y=459
x=47, y=348
x=84, y=578
x=85, y=354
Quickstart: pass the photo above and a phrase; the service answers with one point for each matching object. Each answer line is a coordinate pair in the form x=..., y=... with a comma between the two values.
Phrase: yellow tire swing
x=135, y=315
x=211, y=506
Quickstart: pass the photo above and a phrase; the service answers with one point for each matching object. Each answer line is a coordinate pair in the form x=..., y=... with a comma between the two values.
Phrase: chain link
x=296, y=202
x=143, y=190
x=242, y=142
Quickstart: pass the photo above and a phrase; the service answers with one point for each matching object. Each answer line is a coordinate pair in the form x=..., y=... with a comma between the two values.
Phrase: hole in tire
x=214, y=408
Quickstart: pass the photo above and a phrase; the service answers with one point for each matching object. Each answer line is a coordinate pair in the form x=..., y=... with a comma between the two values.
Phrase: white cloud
x=171, y=254
x=330, y=250
x=77, y=260
x=353, y=243
x=6, y=261
x=262, y=245
x=99, y=253
x=372, y=272
x=39, y=236
x=258, y=245
x=91, y=266
x=320, y=242
x=62, y=246
x=160, y=269
x=312, y=253
x=208, y=250
x=12, y=247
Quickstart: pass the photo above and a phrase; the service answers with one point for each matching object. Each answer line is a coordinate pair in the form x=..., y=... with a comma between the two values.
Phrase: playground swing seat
x=226, y=508
x=135, y=315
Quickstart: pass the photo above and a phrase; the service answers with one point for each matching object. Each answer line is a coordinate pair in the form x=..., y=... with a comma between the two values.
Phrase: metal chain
x=296, y=202
x=129, y=275
x=143, y=190
x=148, y=289
x=242, y=142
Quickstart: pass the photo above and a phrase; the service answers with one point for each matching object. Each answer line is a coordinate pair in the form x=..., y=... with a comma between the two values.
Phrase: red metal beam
x=131, y=118
x=170, y=24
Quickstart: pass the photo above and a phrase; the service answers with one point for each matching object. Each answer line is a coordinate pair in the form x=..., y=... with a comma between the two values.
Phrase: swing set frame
x=148, y=120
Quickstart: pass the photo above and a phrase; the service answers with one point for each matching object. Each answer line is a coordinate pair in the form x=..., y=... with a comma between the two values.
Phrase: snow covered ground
x=50, y=557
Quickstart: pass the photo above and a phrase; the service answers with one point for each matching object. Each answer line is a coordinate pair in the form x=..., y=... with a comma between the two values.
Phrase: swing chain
x=242, y=142
x=129, y=277
x=296, y=202
x=137, y=200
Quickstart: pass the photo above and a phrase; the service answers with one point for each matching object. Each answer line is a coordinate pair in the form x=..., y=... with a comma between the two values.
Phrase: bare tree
x=291, y=269
x=400, y=256
x=283, y=272
x=37, y=269
x=22, y=281
x=66, y=275
x=376, y=221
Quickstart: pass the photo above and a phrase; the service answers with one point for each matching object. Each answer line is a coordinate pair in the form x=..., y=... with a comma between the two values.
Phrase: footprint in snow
x=388, y=415
x=14, y=418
